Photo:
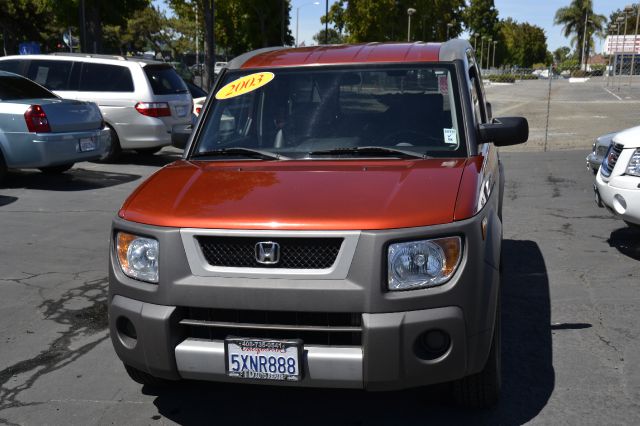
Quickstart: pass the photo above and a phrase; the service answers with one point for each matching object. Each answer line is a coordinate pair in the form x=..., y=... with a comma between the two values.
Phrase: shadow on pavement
x=76, y=179
x=528, y=375
x=5, y=200
x=626, y=241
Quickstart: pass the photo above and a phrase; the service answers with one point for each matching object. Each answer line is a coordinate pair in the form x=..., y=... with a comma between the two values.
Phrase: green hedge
x=528, y=77
x=502, y=78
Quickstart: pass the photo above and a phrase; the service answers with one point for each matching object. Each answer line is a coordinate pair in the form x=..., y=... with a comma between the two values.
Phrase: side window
x=477, y=97
x=105, y=78
x=15, y=66
x=54, y=75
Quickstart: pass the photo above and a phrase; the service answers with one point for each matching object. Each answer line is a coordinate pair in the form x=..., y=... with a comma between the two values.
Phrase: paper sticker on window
x=244, y=85
x=443, y=84
x=450, y=136
x=41, y=76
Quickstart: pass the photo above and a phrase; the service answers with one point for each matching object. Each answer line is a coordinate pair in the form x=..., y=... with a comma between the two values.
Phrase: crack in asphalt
x=86, y=321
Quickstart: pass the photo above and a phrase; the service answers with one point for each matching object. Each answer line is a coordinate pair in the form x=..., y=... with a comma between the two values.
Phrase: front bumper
x=386, y=360
x=621, y=196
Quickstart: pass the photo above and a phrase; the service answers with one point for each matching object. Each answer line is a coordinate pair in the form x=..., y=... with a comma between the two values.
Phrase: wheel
x=148, y=151
x=3, y=167
x=143, y=377
x=56, y=170
x=114, y=148
x=482, y=390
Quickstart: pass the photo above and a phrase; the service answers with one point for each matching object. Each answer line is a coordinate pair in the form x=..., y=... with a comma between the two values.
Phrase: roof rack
x=90, y=55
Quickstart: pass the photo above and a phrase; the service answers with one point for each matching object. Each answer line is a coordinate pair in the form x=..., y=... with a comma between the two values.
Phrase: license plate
x=181, y=110
x=87, y=144
x=263, y=359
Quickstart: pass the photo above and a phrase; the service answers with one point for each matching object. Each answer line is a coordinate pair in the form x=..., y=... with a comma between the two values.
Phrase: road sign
x=622, y=44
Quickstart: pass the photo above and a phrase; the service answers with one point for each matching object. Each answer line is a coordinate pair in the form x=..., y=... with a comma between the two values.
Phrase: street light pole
x=410, y=12
x=493, y=62
x=449, y=26
x=624, y=44
x=489, y=51
x=298, y=17
x=612, y=28
x=635, y=38
x=481, y=49
x=475, y=43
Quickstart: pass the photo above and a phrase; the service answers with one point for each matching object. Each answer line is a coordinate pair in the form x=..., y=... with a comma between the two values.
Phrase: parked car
x=617, y=184
x=217, y=67
x=38, y=129
x=336, y=221
x=141, y=100
x=198, y=94
x=598, y=151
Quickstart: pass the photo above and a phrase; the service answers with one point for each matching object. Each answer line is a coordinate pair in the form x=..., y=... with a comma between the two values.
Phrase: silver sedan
x=598, y=151
x=38, y=129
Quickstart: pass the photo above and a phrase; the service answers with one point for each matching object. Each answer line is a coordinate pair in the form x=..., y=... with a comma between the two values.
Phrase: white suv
x=141, y=100
x=618, y=182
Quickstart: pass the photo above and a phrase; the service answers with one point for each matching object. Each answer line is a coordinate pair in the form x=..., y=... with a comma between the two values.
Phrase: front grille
x=313, y=328
x=610, y=160
x=295, y=253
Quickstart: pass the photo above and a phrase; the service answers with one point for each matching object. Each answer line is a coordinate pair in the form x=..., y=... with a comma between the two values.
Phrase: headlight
x=634, y=164
x=138, y=256
x=425, y=263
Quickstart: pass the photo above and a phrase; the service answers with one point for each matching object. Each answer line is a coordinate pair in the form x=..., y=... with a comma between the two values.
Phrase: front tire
x=482, y=390
x=56, y=170
x=143, y=377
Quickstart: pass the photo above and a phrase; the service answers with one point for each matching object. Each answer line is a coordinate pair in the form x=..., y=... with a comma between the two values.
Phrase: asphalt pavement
x=571, y=297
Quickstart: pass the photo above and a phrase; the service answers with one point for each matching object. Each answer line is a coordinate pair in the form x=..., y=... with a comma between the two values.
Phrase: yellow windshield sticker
x=245, y=84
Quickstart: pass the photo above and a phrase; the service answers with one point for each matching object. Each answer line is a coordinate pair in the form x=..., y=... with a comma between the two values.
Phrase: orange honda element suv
x=335, y=222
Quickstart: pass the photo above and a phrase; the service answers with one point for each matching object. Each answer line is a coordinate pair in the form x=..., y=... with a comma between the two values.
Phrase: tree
x=573, y=18
x=334, y=37
x=561, y=54
x=524, y=44
x=28, y=20
x=387, y=20
x=481, y=17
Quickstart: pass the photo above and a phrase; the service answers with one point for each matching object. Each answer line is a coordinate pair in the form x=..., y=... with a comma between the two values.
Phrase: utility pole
x=635, y=39
x=197, y=47
x=326, y=22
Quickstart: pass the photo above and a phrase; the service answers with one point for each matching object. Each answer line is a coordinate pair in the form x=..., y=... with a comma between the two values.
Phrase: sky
x=537, y=12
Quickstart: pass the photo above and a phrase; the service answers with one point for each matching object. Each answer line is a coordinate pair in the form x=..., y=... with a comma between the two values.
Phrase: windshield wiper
x=240, y=151
x=371, y=150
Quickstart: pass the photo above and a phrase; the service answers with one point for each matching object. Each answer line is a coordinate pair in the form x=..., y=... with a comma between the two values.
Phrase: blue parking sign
x=29, y=48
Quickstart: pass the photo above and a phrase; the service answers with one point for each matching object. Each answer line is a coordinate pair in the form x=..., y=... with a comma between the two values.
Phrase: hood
x=629, y=138
x=298, y=195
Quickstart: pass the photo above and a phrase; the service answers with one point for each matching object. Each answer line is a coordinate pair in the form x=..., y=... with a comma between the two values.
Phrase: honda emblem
x=267, y=253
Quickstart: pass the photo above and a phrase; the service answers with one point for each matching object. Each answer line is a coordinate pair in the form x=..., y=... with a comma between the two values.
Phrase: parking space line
x=610, y=92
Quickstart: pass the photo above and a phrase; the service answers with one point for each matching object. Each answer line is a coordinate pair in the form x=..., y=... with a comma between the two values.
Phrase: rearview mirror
x=504, y=131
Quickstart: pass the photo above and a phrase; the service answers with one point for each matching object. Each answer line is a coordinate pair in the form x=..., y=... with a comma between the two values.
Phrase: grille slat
x=295, y=253
x=326, y=328
x=611, y=158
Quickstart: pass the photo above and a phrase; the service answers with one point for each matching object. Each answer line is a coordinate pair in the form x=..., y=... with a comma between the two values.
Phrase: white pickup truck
x=617, y=184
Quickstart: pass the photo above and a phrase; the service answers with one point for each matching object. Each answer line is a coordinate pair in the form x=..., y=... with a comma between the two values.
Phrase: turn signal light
x=36, y=120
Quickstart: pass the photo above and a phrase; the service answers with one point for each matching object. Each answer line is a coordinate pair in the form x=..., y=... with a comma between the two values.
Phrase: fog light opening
x=619, y=204
x=126, y=332
x=432, y=344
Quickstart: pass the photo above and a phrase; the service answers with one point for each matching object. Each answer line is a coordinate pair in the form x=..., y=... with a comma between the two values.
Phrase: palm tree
x=574, y=17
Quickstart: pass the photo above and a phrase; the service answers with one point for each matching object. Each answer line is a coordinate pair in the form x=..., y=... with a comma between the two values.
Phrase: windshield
x=374, y=111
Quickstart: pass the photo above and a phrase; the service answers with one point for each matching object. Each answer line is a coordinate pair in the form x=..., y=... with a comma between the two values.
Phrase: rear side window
x=164, y=80
x=15, y=66
x=17, y=88
x=105, y=78
x=54, y=75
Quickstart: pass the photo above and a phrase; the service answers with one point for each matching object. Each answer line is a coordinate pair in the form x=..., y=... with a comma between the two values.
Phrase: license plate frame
x=257, y=353
x=87, y=144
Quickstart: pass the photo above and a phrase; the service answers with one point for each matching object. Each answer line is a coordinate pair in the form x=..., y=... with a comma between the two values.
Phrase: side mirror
x=504, y=131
